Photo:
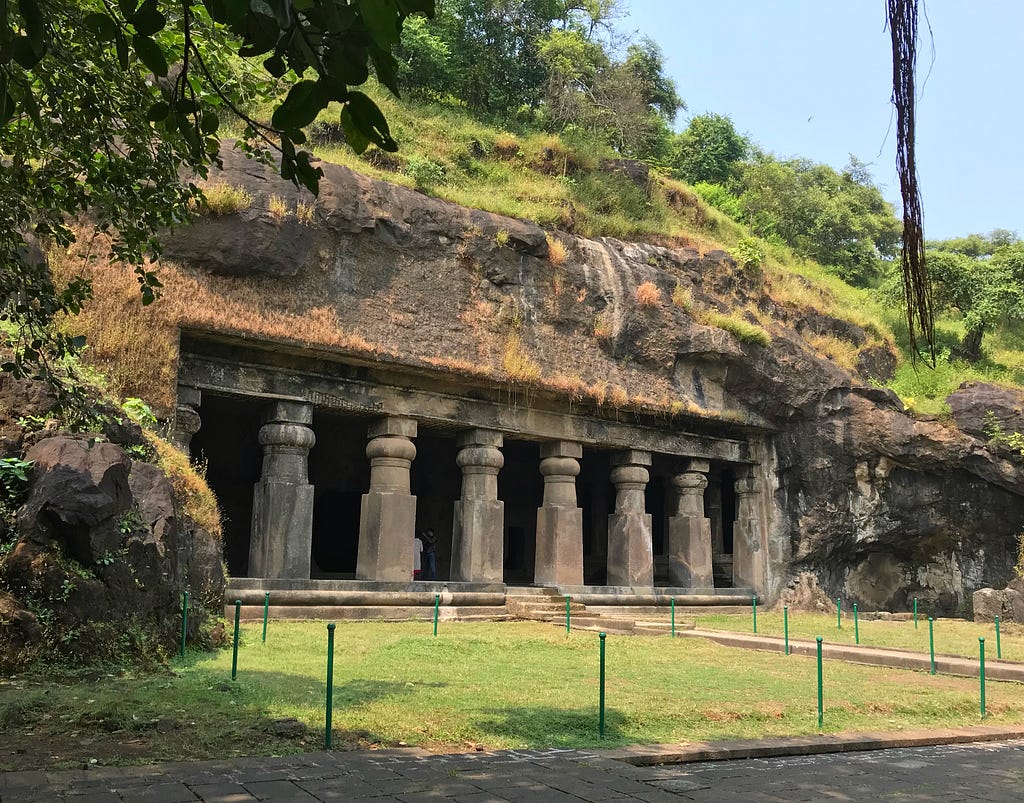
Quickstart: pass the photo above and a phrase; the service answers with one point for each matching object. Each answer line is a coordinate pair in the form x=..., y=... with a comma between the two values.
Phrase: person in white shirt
x=417, y=559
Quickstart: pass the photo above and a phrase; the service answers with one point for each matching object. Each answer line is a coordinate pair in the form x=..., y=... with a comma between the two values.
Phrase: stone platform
x=363, y=599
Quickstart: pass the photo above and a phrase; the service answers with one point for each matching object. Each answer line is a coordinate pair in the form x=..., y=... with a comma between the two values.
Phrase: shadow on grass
x=551, y=727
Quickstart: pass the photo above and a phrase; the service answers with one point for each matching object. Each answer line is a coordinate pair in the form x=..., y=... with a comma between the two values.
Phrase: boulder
x=102, y=546
x=20, y=635
x=978, y=407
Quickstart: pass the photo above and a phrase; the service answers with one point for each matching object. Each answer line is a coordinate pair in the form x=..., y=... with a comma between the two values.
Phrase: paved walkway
x=862, y=654
x=992, y=771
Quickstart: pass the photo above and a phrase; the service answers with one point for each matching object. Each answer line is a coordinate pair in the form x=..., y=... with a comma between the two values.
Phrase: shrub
x=648, y=295
x=720, y=198
x=425, y=173
x=502, y=238
x=222, y=198
x=139, y=412
x=748, y=253
x=682, y=297
x=506, y=146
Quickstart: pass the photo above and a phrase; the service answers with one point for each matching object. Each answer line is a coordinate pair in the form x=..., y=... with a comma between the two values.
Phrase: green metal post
x=234, y=654
x=328, y=725
x=785, y=626
x=673, y=617
x=981, y=673
x=437, y=605
x=266, y=612
x=931, y=641
x=915, y=613
x=821, y=699
x=568, y=621
x=184, y=622
x=839, y=613
x=999, y=645
x=600, y=720
x=856, y=625
x=753, y=604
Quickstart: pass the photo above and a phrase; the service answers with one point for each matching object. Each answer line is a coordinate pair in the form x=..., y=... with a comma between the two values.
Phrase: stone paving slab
x=978, y=771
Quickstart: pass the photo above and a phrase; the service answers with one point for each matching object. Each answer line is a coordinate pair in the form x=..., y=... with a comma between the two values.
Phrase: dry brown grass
x=190, y=489
x=517, y=363
x=618, y=396
x=278, y=207
x=506, y=146
x=602, y=327
x=226, y=199
x=842, y=352
x=137, y=347
x=556, y=251
x=648, y=295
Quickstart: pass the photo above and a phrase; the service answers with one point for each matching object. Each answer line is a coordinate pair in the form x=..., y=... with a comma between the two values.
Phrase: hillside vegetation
x=536, y=110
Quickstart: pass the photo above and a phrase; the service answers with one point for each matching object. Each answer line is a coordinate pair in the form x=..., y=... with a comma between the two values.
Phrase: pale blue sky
x=813, y=78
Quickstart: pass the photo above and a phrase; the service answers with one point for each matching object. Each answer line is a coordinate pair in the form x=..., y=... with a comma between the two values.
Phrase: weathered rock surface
x=20, y=635
x=881, y=507
x=1007, y=603
x=102, y=549
x=980, y=408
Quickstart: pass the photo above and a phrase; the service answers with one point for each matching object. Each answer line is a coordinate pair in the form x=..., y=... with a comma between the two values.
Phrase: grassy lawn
x=495, y=685
x=952, y=636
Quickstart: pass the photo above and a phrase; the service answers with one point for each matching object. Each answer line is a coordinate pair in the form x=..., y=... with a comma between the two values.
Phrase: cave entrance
x=661, y=505
x=436, y=482
x=340, y=474
x=596, y=496
x=720, y=507
x=521, y=487
x=227, y=446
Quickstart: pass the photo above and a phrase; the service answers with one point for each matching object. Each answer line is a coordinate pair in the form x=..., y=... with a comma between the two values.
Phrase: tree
x=104, y=105
x=838, y=219
x=985, y=288
x=708, y=149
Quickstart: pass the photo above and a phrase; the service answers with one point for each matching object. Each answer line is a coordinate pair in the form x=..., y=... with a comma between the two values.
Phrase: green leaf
x=304, y=102
x=150, y=54
x=354, y=135
x=369, y=120
x=7, y=105
x=24, y=53
x=158, y=111
x=275, y=65
x=148, y=20
x=35, y=28
x=78, y=342
x=209, y=123
x=121, y=44
x=101, y=25
x=381, y=19
x=127, y=8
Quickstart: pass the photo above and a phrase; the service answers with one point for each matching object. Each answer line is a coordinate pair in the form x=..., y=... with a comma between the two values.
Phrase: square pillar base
x=630, y=550
x=559, y=546
x=282, y=530
x=387, y=526
x=689, y=552
x=478, y=547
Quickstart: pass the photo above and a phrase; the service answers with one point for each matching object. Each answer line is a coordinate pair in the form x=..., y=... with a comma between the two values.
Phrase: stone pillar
x=387, y=516
x=559, y=522
x=282, y=503
x=478, y=529
x=186, y=417
x=689, y=532
x=747, y=557
x=630, y=549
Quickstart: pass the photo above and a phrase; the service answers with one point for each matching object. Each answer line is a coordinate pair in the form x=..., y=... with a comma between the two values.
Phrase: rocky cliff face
x=880, y=505
x=101, y=551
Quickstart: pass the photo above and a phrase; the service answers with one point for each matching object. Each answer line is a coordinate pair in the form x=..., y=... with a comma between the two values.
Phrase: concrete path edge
x=653, y=755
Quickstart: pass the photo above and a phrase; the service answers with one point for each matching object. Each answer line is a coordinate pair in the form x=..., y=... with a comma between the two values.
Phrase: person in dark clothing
x=430, y=553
